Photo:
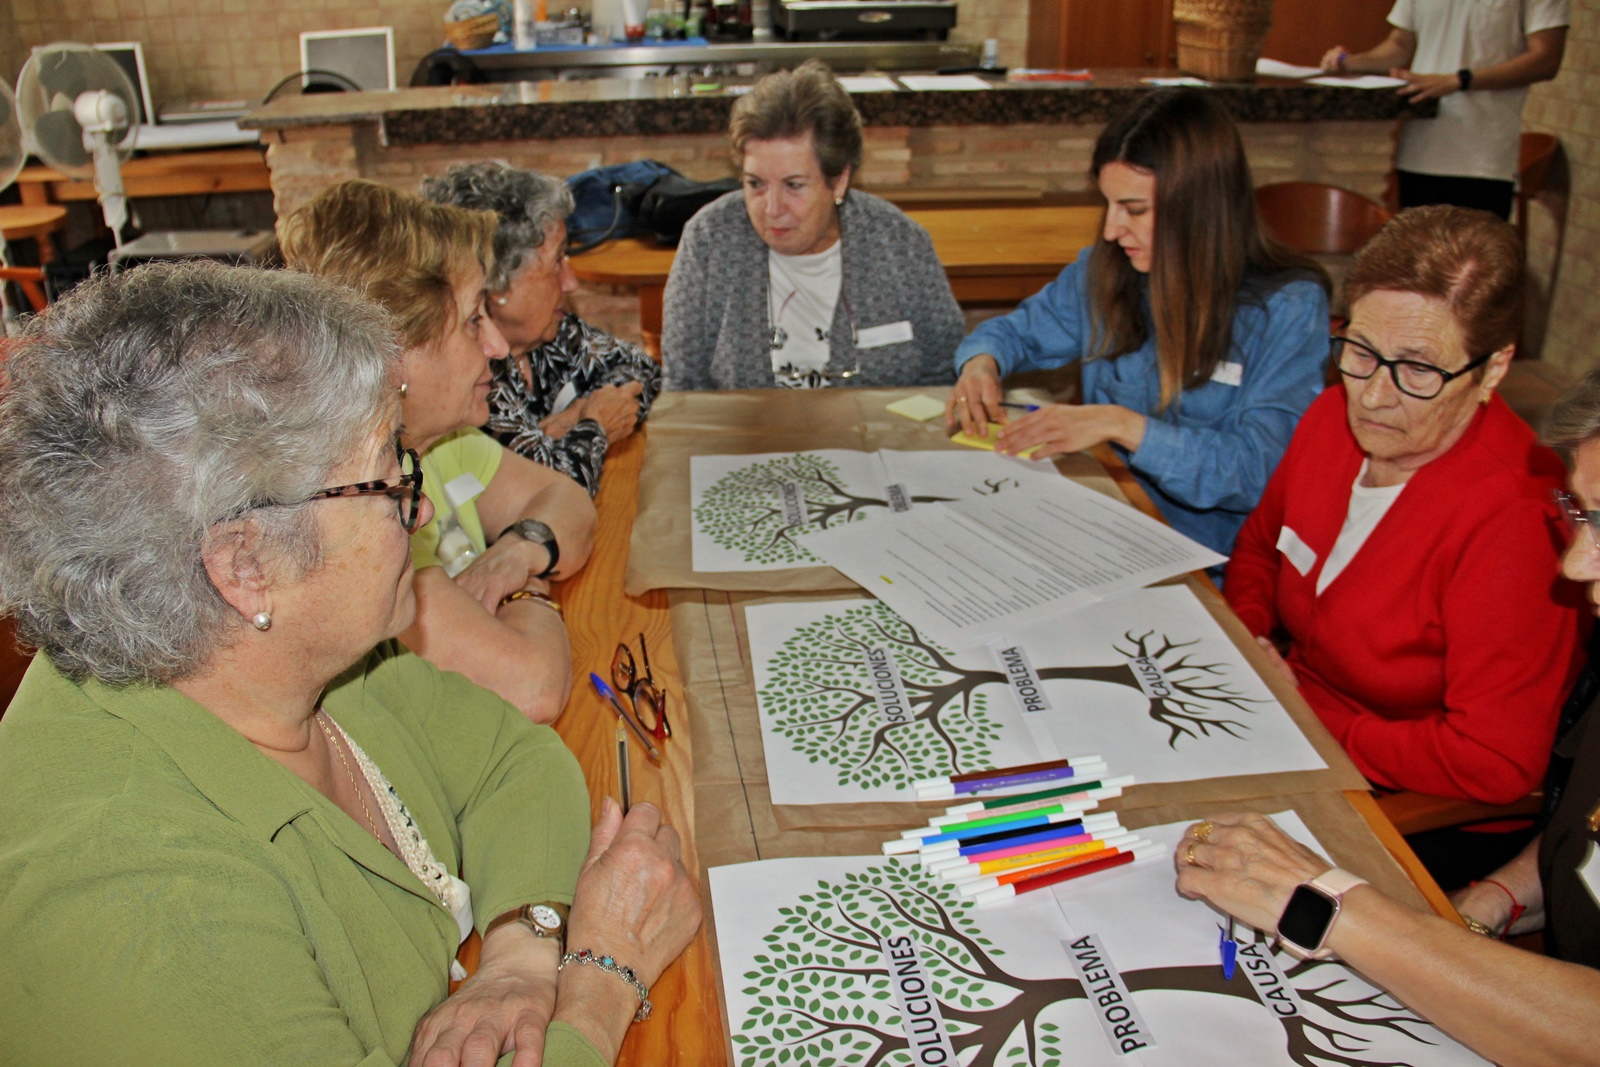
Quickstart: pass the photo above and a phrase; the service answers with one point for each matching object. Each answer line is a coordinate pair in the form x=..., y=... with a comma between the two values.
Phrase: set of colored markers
x=992, y=850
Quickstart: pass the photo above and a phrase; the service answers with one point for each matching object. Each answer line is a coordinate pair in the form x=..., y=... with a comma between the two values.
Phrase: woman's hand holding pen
x=976, y=401
x=1057, y=428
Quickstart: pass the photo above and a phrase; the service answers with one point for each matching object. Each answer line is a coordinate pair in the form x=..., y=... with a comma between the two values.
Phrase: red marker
x=1001, y=893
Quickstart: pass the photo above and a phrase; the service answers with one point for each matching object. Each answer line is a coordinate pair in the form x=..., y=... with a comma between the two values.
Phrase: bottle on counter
x=523, y=22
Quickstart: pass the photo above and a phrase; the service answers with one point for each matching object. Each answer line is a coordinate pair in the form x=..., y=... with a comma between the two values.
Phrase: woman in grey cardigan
x=798, y=282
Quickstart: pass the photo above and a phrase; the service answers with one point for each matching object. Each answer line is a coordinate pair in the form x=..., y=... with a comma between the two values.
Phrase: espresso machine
x=863, y=20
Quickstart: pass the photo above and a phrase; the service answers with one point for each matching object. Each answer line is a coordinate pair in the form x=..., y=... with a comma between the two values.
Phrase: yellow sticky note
x=920, y=408
x=987, y=443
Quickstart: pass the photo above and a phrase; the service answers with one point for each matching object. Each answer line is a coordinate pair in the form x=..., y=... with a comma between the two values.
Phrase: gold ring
x=1188, y=855
x=961, y=400
x=1202, y=831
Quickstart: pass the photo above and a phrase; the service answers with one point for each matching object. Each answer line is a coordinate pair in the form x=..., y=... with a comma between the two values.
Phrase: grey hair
x=527, y=204
x=144, y=409
x=1575, y=416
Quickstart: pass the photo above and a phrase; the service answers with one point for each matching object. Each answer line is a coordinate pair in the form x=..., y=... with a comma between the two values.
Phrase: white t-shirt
x=802, y=293
x=1477, y=133
x=1368, y=506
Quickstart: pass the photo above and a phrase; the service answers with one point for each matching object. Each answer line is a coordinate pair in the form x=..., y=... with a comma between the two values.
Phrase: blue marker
x=1230, y=949
x=606, y=694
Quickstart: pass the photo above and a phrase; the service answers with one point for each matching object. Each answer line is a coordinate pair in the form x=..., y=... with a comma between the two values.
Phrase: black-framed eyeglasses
x=649, y=700
x=1421, y=380
x=1576, y=517
x=406, y=490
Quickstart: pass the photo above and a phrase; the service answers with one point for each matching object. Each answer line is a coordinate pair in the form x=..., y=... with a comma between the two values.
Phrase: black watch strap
x=538, y=533
x=1465, y=77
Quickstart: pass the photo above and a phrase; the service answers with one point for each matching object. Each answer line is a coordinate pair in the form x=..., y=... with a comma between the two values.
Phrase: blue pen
x=605, y=692
x=1019, y=407
x=1230, y=950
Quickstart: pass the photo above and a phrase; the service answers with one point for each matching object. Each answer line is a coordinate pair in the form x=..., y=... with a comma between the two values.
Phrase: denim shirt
x=1206, y=459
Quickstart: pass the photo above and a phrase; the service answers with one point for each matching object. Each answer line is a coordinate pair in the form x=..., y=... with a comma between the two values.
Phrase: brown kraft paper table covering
x=712, y=646
x=743, y=422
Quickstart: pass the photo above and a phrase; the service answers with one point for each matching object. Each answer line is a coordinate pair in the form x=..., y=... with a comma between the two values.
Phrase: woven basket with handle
x=476, y=32
x=1220, y=40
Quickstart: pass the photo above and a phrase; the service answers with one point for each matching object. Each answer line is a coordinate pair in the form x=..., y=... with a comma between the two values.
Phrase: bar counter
x=620, y=107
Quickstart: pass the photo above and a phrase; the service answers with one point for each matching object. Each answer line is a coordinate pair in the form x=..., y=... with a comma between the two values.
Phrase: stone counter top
x=616, y=107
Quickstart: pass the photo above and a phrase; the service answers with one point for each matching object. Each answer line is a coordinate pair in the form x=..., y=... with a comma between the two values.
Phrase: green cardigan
x=169, y=895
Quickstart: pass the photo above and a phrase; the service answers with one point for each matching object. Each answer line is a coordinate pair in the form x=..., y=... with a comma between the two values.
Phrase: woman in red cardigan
x=1407, y=545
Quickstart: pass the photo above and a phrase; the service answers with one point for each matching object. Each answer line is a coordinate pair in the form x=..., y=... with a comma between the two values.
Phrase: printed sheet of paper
x=1363, y=81
x=835, y=960
x=856, y=703
x=761, y=512
x=869, y=83
x=1277, y=68
x=943, y=82
x=977, y=569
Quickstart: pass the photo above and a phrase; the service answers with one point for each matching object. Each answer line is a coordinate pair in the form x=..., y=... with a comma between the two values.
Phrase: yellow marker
x=987, y=443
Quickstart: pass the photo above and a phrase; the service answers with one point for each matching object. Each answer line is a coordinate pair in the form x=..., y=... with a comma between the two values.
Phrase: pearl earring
x=261, y=621
x=500, y=300
x=838, y=201
x=404, y=386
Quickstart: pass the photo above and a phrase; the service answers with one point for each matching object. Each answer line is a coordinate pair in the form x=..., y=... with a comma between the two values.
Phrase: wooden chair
x=1318, y=219
x=1533, y=170
x=31, y=279
x=1416, y=813
x=36, y=222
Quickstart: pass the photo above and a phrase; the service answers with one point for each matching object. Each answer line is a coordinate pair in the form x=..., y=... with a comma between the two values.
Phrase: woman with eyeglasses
x=1200, y=338
x=504, y=526
x=243, y=825
x=568, y=391
x=800, y=281
x=1403, y=554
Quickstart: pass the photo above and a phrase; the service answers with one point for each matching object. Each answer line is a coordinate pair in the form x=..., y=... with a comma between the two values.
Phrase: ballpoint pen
x=1019, y=407
x=605, y=692
x=1230, y=950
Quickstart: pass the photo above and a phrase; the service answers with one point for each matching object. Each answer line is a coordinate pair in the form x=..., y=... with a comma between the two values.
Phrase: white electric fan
x=80, y=114
x=11, y=157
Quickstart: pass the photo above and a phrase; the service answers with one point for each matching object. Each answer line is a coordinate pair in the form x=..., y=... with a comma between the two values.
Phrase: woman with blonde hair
x=1202, y=339
x=504, y=526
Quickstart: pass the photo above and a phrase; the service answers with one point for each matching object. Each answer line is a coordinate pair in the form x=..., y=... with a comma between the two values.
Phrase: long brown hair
x=1209, y=244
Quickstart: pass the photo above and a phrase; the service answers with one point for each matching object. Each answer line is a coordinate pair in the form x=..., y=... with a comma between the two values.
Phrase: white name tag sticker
x=564, y=398
x=1589, y=872
x=890, y=333
x=1229, y=374
x=1296, y=551
x=461, y=489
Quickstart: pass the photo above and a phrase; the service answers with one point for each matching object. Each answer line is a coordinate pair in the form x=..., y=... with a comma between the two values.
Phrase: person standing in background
x=1477, y=59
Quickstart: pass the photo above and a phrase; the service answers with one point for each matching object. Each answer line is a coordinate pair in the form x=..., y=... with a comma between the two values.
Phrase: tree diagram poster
x=754, y=512
x=866, y=961
x=856, y=705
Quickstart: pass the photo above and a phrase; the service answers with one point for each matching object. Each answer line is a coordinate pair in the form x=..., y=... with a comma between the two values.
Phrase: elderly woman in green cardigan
x=242, y=825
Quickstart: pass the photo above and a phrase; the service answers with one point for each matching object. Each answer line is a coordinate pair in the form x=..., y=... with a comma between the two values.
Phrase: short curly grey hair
x=528, y=205
x=1574, y=419
x=142, y=410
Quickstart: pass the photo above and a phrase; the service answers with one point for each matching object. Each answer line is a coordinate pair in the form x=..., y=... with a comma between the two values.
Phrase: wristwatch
x=540, y=534
x=1308, y=918
x=1464, y=76
x=547, y=920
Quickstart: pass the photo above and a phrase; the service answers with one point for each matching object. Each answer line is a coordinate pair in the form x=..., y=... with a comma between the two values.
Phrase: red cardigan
x=1440, y=655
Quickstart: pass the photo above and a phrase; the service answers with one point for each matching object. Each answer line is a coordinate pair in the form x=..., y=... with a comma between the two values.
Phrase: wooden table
x=992, y=255
x=221, y=170
x=686, y=1026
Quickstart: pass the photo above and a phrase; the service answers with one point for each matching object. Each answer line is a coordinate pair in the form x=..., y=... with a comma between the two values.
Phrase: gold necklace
x=339, y=751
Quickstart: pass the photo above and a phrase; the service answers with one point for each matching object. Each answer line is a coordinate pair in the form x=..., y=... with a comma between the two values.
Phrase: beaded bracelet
x=607, y=963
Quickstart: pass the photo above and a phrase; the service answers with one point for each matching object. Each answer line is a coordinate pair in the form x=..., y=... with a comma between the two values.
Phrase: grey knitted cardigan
x=715, y=328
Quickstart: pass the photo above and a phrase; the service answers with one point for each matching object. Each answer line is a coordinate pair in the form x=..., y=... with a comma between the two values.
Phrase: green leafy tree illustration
x=818, y=697
x=821, y=994
x=742, y=511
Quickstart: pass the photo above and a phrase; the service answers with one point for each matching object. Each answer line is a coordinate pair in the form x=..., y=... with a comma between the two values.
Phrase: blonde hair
x=396, y=249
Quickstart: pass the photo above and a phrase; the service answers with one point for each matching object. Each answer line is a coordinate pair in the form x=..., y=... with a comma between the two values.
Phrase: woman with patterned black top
x=568, y=392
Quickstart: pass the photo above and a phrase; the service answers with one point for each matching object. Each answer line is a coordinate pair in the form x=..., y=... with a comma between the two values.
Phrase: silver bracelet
x=607, y=963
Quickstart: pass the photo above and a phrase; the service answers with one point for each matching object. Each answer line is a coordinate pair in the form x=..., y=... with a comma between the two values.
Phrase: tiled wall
x=1569, y=107
x=215, y=48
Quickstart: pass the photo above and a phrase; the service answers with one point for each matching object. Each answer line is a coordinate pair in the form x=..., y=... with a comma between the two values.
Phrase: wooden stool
x=38, y=221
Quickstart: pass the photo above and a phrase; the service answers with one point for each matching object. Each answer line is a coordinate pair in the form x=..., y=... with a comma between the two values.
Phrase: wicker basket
x=1220, y=40
x=476, y=32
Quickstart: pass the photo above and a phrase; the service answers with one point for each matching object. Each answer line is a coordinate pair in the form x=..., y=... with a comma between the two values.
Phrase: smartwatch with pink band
x=1313, y=908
